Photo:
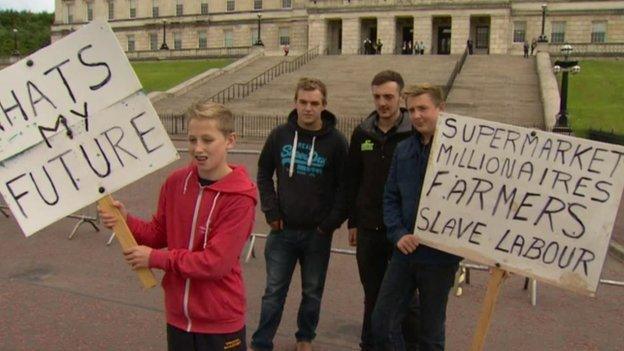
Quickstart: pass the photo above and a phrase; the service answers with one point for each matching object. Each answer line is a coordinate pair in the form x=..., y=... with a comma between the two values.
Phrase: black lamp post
x=542, y=38
x=15, y=50
x=565, y=66
x=259, y=41
x=164, y=43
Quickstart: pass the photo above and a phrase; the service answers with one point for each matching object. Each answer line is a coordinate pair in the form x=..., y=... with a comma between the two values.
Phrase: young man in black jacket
x=307, y=155
x=370, y=154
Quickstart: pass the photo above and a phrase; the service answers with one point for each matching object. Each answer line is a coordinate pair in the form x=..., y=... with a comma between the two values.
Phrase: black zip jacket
x=311, y=190
x=370, y=156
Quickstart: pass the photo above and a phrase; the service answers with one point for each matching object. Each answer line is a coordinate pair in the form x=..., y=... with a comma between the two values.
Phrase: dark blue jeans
x=373, y=255
x=282, y=251
x=403, y=278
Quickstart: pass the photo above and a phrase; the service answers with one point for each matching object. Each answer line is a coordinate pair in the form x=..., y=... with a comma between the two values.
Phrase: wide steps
x=498, y=88
x=348, y=79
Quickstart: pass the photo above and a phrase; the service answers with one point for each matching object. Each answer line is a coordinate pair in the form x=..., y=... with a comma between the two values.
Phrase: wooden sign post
x=496, y=280
x=126, y=240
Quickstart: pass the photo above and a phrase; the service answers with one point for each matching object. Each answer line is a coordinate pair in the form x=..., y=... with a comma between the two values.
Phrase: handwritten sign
x=61, y=85
x=74, y=126
x=539, y=204
x=111, y=149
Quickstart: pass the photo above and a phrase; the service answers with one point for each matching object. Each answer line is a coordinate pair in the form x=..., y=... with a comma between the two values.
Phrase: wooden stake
x=496, y=280
x=124, y=235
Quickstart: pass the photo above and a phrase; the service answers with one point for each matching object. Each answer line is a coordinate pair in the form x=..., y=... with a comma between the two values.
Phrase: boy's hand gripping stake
x=124, y=235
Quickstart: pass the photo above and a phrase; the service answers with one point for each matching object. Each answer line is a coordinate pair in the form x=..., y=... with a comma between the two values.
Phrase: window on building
x=133, y=9
x=519, y=33
x=153, y=40
x=90, y=11
x=204, y=7
x=203, y=39
x=179, y=8
x=257, y=4
x=111, y=9
x=228, y=38
x=231, y=6
x=177, y=41
x=69, y=12
x=130, y=42
x=599, y=32
x=155, y=8
x=284, y=36
x=286, y=4
x=254, y=36
x=558, y=32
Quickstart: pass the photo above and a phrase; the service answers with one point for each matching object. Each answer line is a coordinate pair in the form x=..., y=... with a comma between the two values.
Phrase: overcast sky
x=30, y=5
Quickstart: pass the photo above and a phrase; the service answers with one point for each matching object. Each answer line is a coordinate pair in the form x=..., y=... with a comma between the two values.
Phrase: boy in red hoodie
x=205, y=215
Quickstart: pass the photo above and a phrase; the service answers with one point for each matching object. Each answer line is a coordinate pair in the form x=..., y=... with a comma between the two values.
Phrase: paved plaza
x=60, y=294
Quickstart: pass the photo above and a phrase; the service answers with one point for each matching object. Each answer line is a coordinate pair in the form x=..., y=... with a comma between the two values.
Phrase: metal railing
x=235, y=51
x=458, y=67
x=253, y=126
x=589, y=49
x=241, y=90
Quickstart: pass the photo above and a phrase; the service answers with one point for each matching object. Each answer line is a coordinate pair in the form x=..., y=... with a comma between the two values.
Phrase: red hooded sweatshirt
x=201, y=231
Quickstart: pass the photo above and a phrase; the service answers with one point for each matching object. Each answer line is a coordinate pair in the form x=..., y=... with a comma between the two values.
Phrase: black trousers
x=373, y=254
x=180, y=340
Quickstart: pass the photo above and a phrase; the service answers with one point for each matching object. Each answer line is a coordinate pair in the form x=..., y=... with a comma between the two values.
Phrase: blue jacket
x=401, y=198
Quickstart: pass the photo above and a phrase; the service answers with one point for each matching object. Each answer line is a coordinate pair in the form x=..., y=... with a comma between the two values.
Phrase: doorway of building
x=444, y=40
x=334, y=37
x=368, y=30
x=405, y=35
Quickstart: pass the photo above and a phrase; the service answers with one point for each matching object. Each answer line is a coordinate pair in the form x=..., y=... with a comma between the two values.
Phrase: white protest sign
x=60, y=85
x=113, y=148
x=538, y=204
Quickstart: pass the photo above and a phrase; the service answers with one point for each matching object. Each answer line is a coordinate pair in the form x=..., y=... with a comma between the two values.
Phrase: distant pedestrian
x=422, y=48
x=533, y=45
x=417, y=48
x=286, y=49
x=525, y=47
x=378, y=46
x=469, y=45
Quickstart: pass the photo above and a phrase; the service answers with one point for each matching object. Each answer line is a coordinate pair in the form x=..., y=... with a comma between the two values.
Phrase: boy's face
x=208, y=146
x=424, y=114
x=309, y=105
x=387, y=98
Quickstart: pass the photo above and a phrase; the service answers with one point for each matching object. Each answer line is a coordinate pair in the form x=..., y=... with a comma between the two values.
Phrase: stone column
x=386, y=31
x=350, y=36
x=460, y=29
x=499, y=35
x=317, y=34
x=423, y=27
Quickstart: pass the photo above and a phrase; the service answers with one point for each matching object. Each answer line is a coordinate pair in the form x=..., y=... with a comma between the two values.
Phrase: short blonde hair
x=311, y=84
x=435, y=92
x=212, y=111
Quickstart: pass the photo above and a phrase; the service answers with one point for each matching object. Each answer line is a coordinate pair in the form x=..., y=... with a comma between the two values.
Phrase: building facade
x=342, y=26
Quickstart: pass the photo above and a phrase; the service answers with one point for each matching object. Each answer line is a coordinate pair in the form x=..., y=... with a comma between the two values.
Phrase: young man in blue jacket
x=414, y=267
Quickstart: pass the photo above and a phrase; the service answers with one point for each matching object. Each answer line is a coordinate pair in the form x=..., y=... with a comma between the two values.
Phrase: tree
x=33, y=31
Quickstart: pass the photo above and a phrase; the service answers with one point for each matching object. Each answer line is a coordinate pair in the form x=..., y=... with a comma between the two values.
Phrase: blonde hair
x=310, y=84
x=434, y=92
x=212, y=111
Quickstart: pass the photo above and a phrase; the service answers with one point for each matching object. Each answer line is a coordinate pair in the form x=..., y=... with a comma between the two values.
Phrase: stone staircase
x=498, y=88
x=179, y=104
x=348, y=82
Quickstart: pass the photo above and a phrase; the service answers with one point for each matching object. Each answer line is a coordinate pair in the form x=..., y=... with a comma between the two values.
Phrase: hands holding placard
x=407, y=244
x=136, y=256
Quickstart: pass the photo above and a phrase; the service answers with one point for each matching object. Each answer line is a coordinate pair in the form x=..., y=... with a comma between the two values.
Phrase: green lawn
x=163, y=75
x=596, y=97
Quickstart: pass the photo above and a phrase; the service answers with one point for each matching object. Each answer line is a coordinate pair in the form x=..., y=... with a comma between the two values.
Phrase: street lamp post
x=542, y=38
x=565, y=66
x=259, y=41
x=164, y=43
x=15, y=50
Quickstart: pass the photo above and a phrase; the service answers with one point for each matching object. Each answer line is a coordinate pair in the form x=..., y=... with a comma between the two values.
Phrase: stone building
x=341, y=26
